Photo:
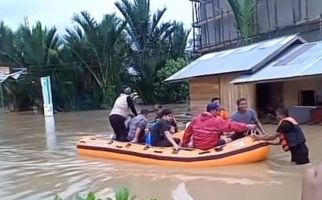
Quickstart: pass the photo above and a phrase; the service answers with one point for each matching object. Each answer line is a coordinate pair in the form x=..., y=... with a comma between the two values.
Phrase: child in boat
x=173, y=122
x=206, y=129
x=291, y=137
x=160, y=131
x=137, y=127
x=222, y=112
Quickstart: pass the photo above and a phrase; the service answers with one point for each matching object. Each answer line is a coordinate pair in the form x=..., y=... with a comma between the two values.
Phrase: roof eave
x=269, y=58
x=274, y=79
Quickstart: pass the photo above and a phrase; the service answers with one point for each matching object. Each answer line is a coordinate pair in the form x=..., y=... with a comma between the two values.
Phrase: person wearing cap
x=207, y=128
x=222, y=111
x=122, y=108
x=137, y=127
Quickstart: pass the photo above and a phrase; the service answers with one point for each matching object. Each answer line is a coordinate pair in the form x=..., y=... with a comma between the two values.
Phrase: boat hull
x=238, y=152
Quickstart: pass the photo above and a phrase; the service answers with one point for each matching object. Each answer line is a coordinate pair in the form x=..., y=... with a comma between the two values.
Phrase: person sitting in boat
x=222, y=111
x=291, y=137
x=121, y=110
x=137, y=127
x=157, y=111
x=207, y=128
x=173, y=123
x=246, y=116
x=160, y=131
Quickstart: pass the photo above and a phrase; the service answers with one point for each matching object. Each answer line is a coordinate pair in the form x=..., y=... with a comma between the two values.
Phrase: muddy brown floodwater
x=36, y=165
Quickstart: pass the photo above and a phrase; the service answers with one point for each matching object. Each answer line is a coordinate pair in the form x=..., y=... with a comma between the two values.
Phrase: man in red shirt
x=206, y=129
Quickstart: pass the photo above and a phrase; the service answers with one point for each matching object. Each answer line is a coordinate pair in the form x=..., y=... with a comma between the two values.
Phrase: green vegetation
x=178, y=91
x=91, y=61
x=244, y=11
x=121, y=194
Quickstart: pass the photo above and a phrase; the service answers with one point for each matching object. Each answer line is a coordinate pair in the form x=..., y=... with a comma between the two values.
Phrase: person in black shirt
x=291, y=137
x=173, y=122
x=160, y=131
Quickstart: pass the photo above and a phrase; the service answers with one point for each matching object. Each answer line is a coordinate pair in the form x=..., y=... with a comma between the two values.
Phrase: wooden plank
x=201, y=92
x=230, y=93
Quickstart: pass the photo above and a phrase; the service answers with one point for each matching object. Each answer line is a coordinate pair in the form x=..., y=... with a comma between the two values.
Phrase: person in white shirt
x=122, y=108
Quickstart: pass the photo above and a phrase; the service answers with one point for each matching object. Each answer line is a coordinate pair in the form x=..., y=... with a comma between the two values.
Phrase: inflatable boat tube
x=241, y=151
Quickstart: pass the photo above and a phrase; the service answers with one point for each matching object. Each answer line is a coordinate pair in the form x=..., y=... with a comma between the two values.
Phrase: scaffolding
x=214, y=25
x=208, y=23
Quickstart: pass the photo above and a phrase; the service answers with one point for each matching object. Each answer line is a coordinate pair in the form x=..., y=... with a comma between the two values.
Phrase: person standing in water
x=247, y=116
x=291, y=137
x=121, y=110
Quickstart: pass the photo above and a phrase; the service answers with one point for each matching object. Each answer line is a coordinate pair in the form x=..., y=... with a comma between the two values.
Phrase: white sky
x=59, y=12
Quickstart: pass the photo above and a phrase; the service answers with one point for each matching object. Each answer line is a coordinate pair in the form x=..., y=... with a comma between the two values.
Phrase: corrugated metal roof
x=14, y=75
x=2, y=78
x=302, y=60
x=241, y=59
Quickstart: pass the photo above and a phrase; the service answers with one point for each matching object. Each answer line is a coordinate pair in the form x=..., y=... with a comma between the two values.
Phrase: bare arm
x=137, y=134
x=274, y=143
x=266, y=137
x=171, y=140
x=259, y=125
x=257, y=122
x=131, y=105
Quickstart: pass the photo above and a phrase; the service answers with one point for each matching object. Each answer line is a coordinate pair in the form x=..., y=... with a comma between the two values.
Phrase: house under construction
x=214, y=25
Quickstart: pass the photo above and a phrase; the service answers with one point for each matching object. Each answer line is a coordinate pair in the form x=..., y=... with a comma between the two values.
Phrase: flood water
x=38, y=165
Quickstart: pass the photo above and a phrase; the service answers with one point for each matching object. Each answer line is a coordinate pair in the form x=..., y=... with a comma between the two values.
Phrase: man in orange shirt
x=222, y=112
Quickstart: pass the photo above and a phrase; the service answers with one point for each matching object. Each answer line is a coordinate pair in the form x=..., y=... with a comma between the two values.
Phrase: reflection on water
x=38, y=160
x=51, y=138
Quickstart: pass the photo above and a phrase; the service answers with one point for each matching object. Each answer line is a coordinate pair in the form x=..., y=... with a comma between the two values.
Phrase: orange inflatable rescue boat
x=241, y=151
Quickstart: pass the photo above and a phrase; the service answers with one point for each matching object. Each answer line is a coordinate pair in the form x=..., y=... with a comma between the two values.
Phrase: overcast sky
x=59, y=12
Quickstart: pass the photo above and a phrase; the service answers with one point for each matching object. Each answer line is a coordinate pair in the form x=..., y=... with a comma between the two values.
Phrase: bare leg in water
x=312, y=184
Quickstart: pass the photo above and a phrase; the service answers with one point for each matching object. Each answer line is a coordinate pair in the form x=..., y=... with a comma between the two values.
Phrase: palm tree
x=149, y=42
x=36, y=49
x=101, y=48
x=244, y=11
x=39, y=50
x=178, y=40
x=9, y=53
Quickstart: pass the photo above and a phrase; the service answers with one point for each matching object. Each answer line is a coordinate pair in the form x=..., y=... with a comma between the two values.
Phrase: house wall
x=202, y=90
x=229, y=93
x=292, y=89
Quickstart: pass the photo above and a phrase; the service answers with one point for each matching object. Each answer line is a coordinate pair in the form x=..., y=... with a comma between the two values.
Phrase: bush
x=121, y=194
x=167, y=92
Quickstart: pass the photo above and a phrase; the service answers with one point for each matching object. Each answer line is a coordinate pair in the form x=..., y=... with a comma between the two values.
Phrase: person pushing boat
x=291, y=137
x=122, y=108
